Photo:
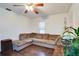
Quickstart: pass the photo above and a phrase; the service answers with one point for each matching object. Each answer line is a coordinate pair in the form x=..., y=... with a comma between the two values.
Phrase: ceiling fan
x=31, y=7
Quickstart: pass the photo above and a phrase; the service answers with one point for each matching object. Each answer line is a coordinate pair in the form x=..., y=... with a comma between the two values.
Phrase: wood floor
x=58, y=51
x=34, y=50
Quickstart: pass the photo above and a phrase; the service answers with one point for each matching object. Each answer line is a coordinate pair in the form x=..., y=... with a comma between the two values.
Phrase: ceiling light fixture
x=29, y=7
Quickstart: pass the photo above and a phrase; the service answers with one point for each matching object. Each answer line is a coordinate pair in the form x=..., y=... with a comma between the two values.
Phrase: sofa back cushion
x=32, y=35
x=38, y=36
x=24, y=36
x=45, y=36
x=54, y=37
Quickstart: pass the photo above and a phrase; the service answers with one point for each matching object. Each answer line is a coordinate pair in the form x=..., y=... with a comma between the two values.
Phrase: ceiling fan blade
x=39, y=4
x=8, y=9
x=42, y=13
x=18, y=5
x=35, y=11
x=25, y=11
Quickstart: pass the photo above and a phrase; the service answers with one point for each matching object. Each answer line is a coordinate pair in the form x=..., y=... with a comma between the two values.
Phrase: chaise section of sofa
x=20, y=44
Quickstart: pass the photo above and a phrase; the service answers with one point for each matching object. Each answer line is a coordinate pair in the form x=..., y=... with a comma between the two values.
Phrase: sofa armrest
x=57, y=40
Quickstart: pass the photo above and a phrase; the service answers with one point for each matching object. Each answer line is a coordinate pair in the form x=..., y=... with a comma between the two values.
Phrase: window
x=42, y=27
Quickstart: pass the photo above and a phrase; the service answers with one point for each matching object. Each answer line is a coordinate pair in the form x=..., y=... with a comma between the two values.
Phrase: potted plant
x=73, y=36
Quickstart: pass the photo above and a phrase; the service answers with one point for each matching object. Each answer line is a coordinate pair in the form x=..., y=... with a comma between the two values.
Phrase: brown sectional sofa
x=45, y=40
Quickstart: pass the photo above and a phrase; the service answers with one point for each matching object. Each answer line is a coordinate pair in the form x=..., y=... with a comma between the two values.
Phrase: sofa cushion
x=53, y=37
x=24, y=36
x=33, y=35
x=45, y=36
x=21, y=42
x=39, y=36
x=44, y=41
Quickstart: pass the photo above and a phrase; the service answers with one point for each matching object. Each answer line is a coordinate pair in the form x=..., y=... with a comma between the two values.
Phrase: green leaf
x=78, y=31
x=75, y=30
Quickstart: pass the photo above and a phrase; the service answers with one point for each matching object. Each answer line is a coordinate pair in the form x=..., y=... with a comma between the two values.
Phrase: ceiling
x=46, y=10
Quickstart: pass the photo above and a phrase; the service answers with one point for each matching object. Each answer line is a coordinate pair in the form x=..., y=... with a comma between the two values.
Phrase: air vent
x=8, y=9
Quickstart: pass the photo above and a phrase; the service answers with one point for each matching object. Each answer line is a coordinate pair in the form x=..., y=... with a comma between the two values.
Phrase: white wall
x=35, y=25
x=74, y=14
x=75, y=9
x=11, y=24
x=70, y=17
x=55, y=23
